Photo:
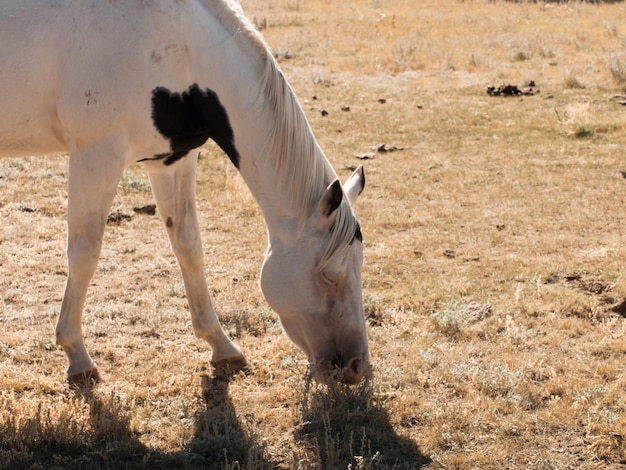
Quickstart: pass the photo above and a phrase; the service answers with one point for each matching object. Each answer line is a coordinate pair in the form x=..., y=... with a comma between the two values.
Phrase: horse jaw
x=327, y=324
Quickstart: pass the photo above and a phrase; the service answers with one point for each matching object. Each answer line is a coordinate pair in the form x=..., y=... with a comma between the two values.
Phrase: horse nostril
x=338, y=369
x=354, y=371
x=337, y=362
x=355, y=366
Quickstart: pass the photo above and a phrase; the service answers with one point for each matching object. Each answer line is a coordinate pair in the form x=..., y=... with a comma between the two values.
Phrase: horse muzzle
x=349, y=372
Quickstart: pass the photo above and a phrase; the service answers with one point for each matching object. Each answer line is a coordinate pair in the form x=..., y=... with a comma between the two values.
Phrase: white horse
x=114, y=82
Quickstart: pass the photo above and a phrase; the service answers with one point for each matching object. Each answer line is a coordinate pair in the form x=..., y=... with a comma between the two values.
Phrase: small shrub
x=572, y=81
x=618, y=71
x=584, y=132
x=580, y=118
x=457, y=316
x=132, y=183
x=449, y=320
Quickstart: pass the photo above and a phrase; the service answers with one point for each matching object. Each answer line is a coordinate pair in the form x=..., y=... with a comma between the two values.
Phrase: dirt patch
x=599, y=289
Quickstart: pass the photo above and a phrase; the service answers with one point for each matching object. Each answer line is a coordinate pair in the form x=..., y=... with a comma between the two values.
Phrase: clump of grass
x=571, y=81
x=522, y=56
x=372, y=309
x=580, y=117
x=134, y=183
x=328, y=415
x=346, y=427
x=449, y=320
x=455, y=317
x=618, y=70
x=256, y=322
x=294, y=5
x=404, y=53
x=584, y=132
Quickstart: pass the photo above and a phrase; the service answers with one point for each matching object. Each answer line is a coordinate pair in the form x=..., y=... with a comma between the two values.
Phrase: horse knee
x=82, y=255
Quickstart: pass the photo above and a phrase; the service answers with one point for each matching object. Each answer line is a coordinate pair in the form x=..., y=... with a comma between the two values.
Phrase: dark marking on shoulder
x=188, y=119
x=169, y=223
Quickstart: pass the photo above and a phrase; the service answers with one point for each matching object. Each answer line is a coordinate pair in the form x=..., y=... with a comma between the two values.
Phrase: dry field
x=494, y=279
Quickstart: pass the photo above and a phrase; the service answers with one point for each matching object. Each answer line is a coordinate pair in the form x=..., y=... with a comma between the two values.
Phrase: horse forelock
x=345, y=230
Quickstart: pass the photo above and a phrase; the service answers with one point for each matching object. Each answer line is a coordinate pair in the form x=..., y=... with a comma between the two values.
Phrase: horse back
x=85, y=70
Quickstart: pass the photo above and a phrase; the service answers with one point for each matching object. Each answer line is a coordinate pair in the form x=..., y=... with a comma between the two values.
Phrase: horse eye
x=328, y=279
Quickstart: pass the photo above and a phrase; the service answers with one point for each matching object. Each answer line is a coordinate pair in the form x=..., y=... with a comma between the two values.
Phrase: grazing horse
x=114, y=82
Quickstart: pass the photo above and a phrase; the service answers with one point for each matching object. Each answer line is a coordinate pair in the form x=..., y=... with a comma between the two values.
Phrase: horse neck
x=287, y=171
x=279, y=158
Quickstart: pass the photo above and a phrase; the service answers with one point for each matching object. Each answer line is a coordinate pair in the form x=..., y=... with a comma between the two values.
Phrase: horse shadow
x=97, y=435
x=346, y=428
x=221, y=440
x=338, y=427
x=101, y=435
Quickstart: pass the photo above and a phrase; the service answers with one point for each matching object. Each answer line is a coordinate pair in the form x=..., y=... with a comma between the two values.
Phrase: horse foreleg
x=174, y=192
x=93, y=178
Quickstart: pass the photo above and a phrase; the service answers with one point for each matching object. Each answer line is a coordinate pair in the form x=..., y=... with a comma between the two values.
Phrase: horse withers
x=113, y=83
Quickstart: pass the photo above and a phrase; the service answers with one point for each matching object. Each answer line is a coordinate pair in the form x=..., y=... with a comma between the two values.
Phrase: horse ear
x=355, y=184
x=331, y=199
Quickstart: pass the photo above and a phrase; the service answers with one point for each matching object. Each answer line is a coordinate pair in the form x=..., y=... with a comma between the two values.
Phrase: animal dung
x=117, y=216
x=378, y=148
x=150, y=209
x=513, y=90
x=384, y=148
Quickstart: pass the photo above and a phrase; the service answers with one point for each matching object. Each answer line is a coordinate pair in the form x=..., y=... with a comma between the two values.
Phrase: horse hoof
x=85, y=379
x=231, y=367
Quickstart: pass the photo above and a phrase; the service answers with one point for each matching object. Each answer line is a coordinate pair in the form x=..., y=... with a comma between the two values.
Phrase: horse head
x=313, y=281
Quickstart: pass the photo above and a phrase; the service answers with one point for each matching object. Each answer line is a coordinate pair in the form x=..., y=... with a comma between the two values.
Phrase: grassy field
x=494, y=277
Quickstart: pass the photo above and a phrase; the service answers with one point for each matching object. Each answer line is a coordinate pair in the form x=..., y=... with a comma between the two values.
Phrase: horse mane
x=301, y=169
x=300, y=166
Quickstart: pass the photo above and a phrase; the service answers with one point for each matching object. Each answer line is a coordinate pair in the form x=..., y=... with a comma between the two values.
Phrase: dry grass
x=495, y=264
